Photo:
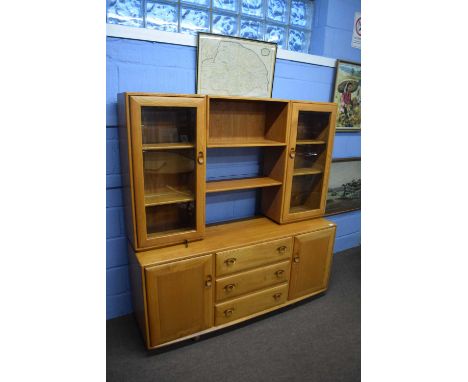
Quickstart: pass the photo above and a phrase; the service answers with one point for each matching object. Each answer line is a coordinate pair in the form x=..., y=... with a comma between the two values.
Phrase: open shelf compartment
x=244, y=122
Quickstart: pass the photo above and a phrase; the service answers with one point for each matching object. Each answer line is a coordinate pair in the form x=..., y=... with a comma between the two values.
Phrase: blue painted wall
x=156, y=67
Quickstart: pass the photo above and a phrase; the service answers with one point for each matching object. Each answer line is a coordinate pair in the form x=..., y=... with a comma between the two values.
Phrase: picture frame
x=347, y=94
x=344, y=186
x=235, y=66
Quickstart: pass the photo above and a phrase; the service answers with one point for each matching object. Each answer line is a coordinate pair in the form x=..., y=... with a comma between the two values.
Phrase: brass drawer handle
x=208, y=281
x=229, y=312
x=279, y=273
x=277, y=296
x=200, y=158
x=281, y=250
x=229, y=287
x=296, y=259
x=230, y=261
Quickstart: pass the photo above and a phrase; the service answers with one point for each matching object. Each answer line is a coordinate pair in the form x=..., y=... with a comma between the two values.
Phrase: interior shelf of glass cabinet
x=298, y=209
x=167, y=146
x=309, y=142
x=243, y=142
x=307, y=171
x=168, y=197
x=240, y=184
x=170, y=232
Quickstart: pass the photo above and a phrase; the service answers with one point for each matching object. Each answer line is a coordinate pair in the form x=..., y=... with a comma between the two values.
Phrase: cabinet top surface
x=231, y=235
x=214, y=97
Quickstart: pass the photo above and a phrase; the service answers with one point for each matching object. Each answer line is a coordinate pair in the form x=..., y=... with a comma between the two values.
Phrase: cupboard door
x=179, y=298
x=311, y=263
x=168, y=153
x=310, y=151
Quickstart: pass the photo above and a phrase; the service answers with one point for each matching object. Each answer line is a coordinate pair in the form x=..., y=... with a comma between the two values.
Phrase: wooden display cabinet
x=183, y=287
x=165, y=167
x=310, y=151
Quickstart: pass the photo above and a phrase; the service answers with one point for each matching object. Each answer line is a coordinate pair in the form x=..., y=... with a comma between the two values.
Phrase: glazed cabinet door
x=311, y=263
x=168, y=156
x=310, y=150
x=179, y=299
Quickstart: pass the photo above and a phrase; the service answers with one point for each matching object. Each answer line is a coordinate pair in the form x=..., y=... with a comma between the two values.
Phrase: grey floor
x=314, y=340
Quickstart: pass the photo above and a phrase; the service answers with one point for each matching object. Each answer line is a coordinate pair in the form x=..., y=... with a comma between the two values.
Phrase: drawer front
x=239, y=259
x=250, y=304
x=249, y=281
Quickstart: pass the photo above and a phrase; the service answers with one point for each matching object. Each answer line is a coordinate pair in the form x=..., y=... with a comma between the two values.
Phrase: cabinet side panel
x=201, y=167
x=138, y=293
x=326, y=172
x=125, y=165
x=272, y=197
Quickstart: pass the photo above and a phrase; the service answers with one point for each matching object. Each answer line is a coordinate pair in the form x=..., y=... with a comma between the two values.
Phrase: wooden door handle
x=292, y=153
x=208, y=282
x=296, y=259
x=200, y=158
x=229, y=312
x=277, y=296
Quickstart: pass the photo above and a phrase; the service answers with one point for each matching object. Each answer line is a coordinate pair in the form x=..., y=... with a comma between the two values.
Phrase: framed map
x=235, y=66
x=344, y=186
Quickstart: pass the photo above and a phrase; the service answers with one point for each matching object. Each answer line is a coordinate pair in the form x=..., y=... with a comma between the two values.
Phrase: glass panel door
x=170, y=183
x=308, y=160
x=171, y=162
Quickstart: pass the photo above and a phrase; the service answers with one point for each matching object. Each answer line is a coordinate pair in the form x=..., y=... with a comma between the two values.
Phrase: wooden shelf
x=310, y=142
x=167, y=146
x=307, y=171
x=240, y=184
x=171, y=232
x=168, y=197
x=299, y=209
x=243, y=142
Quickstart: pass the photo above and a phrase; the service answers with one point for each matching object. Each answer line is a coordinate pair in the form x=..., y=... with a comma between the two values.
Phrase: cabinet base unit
x=239, y=271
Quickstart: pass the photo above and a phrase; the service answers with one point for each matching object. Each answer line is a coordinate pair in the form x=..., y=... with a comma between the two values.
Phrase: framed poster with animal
x=347, y=94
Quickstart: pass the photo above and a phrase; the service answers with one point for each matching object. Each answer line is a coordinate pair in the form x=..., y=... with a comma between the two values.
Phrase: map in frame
x=232, y=66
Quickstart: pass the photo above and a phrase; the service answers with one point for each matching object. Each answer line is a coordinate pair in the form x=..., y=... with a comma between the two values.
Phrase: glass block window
x=286, y=22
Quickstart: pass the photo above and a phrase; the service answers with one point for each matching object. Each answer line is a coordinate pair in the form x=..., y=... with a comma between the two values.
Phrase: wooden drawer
x=252, y=303
x=239, y=259
x=249, y=281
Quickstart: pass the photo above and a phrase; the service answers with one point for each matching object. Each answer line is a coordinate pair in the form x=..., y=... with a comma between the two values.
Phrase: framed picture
x=347, y=94
x=235, y=66
x=344, y=187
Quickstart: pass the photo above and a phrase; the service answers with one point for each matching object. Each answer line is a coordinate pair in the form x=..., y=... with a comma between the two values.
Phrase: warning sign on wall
x=356, y=41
